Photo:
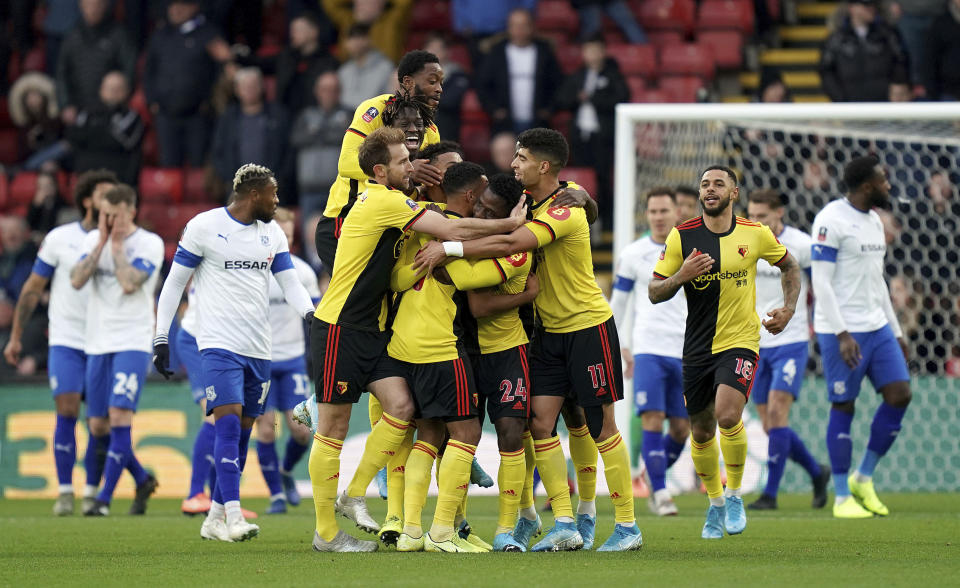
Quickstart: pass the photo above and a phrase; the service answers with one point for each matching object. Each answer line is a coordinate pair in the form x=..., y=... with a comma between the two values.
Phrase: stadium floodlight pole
x=625, y=155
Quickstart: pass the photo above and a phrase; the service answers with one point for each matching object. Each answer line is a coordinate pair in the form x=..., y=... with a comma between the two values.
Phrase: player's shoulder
x=209, y=217
x=690, y=225
x=748, y=224
x=371, y=109
x=833, y=211
x=795, y=235
x=148, y=238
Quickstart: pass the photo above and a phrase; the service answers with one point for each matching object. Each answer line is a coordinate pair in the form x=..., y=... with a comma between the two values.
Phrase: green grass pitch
x=916, y=546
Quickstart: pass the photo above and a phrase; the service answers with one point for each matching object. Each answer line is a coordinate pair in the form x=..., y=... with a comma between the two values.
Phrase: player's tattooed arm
x=130, y=278
x=83, y=271
x=790, y=279
x=696, y=264
x=27, y=302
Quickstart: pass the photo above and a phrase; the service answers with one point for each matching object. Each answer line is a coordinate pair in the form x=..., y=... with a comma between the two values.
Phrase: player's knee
x=509, y=434
x=728, y=419
x=466, y=431
x=594, y=418
x=898, y=395
x=399, y=406
x=679, y=429
x=99, y=427
x=573, y=415
x=844, y=407
x=266, y=431
x=542, y=427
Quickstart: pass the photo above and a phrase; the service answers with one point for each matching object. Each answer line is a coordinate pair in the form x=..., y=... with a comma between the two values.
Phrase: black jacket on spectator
x=611, y=90
x=180, y=73
x=296, y=74
x=855, y=70
x=455, y=85
x=493, y=83
x=943, y=76
x=110, y=138
x=87, y=54
x=225, y=153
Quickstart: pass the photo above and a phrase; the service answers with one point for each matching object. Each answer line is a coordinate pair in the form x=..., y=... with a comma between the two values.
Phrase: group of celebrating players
x=435, y=269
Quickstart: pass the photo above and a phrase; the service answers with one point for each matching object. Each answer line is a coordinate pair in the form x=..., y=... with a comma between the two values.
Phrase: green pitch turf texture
x=917, y=545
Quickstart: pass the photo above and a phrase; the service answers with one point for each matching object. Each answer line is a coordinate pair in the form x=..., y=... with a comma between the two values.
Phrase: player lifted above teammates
x=231, y=252
x=348, y=339
x=858, y=332
x=714, y=259
x=572, y=350
x=653, y=348
x=783, y=357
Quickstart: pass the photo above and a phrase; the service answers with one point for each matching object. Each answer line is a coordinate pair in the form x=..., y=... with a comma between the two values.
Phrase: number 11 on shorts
x=597, y=376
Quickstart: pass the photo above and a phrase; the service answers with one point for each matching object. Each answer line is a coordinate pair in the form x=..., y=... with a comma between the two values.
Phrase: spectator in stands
x=299, y=65
x=900, y=92
x=386, y=21
x=772, y=88
x=317, y=135
x=943, y=62
x=591, y=19
x=44, y=210
x=16, y=258
x=253, y=130
x=914, y=19
x=688, y=203
x=503, y=148
x=33, y=108
x=592, y=94
x=366, y=72
x=905, y=306
x=862, y=57
x=109, y=135
x=240, y=20
x=455, y=85
x=480, y=21
x=941, y=191
x=61, y=18
x=96, y=46
x=182, y=66
x=520, y=77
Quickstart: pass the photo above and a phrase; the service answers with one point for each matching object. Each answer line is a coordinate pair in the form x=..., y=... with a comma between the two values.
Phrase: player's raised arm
x=83, y=271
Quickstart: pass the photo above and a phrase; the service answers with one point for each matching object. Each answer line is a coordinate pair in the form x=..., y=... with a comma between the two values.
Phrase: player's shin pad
x=553, y=471
x=452, y=484
x=616, y=468
x=381, y=445
x=706, y=460
x=733, y=445
x=510, y=478
x=324, y=475
x=583, y=453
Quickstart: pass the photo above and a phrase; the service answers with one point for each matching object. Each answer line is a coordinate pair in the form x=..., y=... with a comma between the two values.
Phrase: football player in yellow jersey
x=347, y=337
x=574, y=348
x=714, y=258
x=421, y=77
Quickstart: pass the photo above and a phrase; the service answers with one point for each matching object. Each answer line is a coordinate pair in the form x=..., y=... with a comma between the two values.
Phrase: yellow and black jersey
x=369, y=244
x=569, y=298
x=505, y=330
x=721, y=304
x=351, y=180
x=433, y=317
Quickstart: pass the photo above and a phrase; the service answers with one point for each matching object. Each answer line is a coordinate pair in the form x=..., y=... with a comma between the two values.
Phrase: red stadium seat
x=664, y=38
x=5, y=121
x=687, y=59
x=681, y=88
x=416, y=39
x=430, y=16
x=459, y=54
x=725, y=46
x=475, y=139
x=138, y=102
x=9, y=146
x=150, y=146
x=637, y=87
x=195, y=186
x=168, y=221
x=4, y=192
x=22, y=188
x=635, y=60
x=35, y=59
x=570, y=57
x=726, y=15
x=471, y=111
x=671, y=15
x=652, y=96
x=585, y=176
x=557, y=15
x=161, y=185
x=68, y=183
x=561, y=121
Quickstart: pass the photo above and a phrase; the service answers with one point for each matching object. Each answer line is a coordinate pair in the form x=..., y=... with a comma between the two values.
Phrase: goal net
x=800, y=150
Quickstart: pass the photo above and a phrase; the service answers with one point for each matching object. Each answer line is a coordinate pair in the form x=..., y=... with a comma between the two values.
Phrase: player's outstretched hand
x=571, y=198
x=532, y=285
x=426, y=174
x=519, y=212
x=429, y=257
x=696, y=264
x=849, y=349
x=161, y=359
x=627, y=362
x=779, y=317
x=12, y=352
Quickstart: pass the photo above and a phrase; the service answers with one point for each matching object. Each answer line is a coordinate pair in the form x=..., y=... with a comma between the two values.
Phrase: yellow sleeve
x=558, y=222
x=398, y=211
x=771, y=249
x=671, y=258
x=367, y=118
x=472, y=274
x=402, y=277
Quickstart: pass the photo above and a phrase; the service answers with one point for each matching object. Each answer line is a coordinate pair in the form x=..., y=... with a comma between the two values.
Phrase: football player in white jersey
x=783, y=357
x=120, y=261
x=858, y=332
x=230, y=253
x=655, y=348
x=289, y=383
x=66, y=360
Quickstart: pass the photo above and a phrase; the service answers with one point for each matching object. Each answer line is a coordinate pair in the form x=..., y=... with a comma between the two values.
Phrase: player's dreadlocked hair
x=433, y=151
x=401, y=100
x=87, y=183
x=547, y=145
x=860, y=171
x=251, y=176
x=507, y=188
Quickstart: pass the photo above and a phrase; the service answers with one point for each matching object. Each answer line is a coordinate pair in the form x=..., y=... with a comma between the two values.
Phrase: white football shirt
x=854, y=241
x=288, y=340
x=770, y=293
x=188, y=322
x=657, y=329
x=59, y=252
x=118, y=321
x=233, y=264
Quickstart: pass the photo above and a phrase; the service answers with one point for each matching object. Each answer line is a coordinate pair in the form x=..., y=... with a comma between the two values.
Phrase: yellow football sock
x=374, y=410
x=395, y=475
x=324, y=475
x=416, y=484
x=583, y=453
x=553, y=472
x=733, y=445
x=381, y=446
x=452, y=484
x=616, y=468
x=706, y=460
x=513, y=467
x=461, y=510
x=530, y=458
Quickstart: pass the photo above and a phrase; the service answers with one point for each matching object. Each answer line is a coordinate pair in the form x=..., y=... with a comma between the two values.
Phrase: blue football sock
x=117, y=455
x=883, y=432
x=673, y=449
x=244, y=446
x=293, y=454
x=267, y=454
x=778, y=448
x=136, y=470
x=202, y=458
x=226, y=452
x=65, y=450
x=840, y=448
x=655, y=459
x=800, y=454
x=94, y=458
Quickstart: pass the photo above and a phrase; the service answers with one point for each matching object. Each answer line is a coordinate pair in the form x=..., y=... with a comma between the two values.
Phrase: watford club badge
x=559, y=212
x=342, y=388
x=518, y=259
x=476, y=399
x=743, y=250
